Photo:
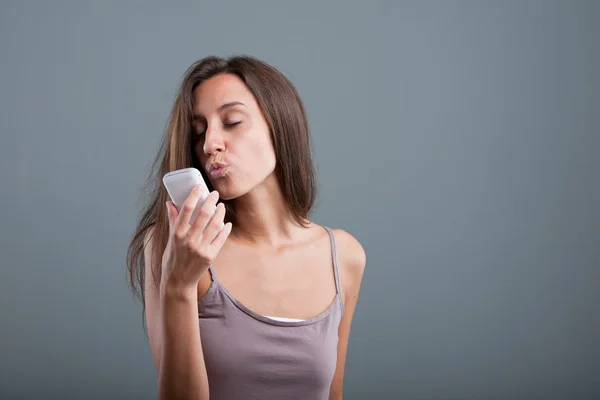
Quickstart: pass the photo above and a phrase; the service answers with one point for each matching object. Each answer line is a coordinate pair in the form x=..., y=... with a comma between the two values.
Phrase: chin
x=226, y=196
x=227, y=191
x=230, y=188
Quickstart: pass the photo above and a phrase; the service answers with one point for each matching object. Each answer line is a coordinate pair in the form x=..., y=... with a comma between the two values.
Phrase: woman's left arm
x=351, y=264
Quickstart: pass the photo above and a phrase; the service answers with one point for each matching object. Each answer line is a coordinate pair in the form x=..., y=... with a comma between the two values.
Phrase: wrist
x=176, y=292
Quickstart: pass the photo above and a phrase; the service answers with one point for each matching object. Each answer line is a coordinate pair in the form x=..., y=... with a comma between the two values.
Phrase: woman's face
x=231, y=137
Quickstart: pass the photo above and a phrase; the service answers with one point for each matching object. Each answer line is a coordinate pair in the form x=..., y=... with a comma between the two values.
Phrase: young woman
x=257, y=302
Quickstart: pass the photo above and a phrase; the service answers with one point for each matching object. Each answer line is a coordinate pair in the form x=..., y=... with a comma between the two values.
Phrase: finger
x=187, y=209
x=214, y=226
x=204, y=214
x=222, y=236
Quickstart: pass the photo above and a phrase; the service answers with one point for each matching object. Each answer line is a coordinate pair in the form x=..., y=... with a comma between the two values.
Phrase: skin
x=268, y=262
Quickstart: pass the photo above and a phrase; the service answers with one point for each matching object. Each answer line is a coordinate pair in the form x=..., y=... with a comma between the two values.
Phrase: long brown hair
x=284, y=112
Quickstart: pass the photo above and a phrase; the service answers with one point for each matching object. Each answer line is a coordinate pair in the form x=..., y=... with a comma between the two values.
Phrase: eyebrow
x=221, y=108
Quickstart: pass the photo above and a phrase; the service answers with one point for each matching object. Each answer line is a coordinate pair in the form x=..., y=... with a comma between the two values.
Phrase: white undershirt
x=283, y=319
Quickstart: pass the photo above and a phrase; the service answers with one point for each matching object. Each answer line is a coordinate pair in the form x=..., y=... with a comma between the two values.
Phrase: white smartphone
x=179, y=185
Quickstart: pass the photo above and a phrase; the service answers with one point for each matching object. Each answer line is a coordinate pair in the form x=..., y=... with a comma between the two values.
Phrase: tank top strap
x=334, y=257
x=213, y=274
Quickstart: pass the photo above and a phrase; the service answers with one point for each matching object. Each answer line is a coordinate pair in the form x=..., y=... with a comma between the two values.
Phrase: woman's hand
x=191, y=249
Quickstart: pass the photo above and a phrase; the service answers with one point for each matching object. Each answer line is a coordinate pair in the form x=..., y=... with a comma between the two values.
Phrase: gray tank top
x=250, y=356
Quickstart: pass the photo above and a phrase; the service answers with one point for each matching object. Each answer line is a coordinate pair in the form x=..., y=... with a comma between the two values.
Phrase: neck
x=262, y=216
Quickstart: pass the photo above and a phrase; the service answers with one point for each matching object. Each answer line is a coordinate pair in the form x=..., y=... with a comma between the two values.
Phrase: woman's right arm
x=172, y=319
x=174, y=334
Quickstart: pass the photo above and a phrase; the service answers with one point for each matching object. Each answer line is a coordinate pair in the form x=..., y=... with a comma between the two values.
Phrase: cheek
x=264, y=153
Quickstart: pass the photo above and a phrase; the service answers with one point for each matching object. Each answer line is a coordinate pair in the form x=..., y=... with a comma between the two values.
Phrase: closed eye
x=229, y=125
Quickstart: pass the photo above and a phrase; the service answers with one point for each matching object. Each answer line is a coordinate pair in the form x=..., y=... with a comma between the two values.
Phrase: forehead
x=219, y=90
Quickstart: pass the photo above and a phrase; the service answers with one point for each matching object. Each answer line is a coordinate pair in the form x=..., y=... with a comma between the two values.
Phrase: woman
x=260, y=307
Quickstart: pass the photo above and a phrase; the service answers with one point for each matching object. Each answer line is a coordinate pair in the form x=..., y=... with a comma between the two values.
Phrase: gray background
x=457, y=140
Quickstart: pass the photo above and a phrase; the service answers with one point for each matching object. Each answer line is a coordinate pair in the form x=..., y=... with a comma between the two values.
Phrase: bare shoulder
x=350, y=252
x=352, y=260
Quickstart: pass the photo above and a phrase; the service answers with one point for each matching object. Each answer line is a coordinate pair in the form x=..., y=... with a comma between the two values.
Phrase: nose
x=213, y=141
